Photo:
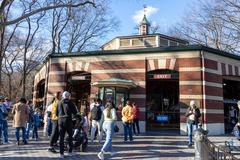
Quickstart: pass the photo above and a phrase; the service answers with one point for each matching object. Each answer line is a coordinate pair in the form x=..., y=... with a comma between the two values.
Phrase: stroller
x=79, y=137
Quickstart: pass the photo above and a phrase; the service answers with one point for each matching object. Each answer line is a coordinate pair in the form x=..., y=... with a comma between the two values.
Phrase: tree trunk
x=24, y=76
x=10, y=86
x=2, y=30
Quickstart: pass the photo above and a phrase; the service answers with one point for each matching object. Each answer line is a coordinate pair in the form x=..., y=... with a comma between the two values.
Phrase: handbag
x=116, y=129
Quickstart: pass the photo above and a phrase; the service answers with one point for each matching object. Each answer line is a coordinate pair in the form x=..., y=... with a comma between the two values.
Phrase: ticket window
x=115, y=94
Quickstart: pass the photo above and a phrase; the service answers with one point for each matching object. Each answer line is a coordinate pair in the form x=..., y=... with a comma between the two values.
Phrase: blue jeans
x=23, y=133
x=49, y=128
x=28, y=128
x=108, y=129
x=127, y=131
x=35, y=131
x=5, y=130
x=191, y=127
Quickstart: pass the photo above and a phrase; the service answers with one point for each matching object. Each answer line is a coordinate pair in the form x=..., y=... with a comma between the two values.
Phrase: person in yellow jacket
x=54, y=119
x=127, y=119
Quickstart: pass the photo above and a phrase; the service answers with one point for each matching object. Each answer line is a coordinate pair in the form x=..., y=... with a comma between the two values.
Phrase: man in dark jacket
x=192, y=114
x=65, y=110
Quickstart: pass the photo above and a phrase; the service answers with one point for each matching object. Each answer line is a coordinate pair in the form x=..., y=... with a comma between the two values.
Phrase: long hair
x=108, y=106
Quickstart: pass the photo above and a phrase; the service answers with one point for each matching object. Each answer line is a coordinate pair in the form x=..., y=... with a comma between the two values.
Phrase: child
x=36, y=123
x=47, y=131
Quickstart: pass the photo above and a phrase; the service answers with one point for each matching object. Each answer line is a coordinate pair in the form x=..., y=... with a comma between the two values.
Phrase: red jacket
x=135, y=112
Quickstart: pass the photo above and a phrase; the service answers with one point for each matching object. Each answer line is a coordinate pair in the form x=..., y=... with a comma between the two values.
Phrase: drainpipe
x=203, y=87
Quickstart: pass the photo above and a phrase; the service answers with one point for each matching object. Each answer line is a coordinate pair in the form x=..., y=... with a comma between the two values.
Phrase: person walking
x=30, y=118
x=135, y=118
x=65, y=110
x=20, y=112
x=107, y=123
x=96, y=114
x=54, y=119
x=3, y=121
x=193, y=114
x=127, y=119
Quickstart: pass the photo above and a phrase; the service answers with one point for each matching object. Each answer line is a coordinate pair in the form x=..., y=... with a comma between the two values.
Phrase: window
x=150, y=41
x=137, y=42
x=124, y=42
x=163, y=42
x=172, y=43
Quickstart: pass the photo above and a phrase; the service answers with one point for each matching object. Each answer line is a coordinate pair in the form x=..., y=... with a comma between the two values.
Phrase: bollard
x=200, y=152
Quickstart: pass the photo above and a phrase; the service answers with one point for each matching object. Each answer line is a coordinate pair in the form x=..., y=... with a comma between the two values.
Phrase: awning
x=115, y=82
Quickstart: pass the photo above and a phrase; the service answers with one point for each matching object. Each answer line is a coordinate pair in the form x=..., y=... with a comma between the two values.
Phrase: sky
x=162, y=12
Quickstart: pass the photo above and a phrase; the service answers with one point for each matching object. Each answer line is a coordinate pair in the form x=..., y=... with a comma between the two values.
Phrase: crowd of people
x=98, y=120
x=57, y=120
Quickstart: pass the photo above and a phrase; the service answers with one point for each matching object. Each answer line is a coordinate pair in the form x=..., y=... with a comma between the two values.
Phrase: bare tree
x=78, y=29
x=35, y=7
x=210, y=24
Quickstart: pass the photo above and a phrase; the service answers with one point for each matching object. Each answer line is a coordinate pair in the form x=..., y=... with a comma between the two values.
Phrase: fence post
x=201, y=152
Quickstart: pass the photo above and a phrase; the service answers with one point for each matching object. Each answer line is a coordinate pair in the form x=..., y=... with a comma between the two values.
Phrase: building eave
x=148, y=50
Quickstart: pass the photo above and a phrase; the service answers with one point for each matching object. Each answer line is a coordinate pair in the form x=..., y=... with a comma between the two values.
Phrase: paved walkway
x=144, y=147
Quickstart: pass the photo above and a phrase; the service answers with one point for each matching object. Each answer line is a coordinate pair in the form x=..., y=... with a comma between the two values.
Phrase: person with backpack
x=96, y=114
x=20, y=116
x=127, y=119
x=30, y=118
x=193, y=114
x=36, y=123
x=108, y=119
x=65, y=110
x=3, y=121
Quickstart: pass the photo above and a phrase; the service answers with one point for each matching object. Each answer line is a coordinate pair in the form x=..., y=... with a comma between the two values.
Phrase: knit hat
x=66, y=94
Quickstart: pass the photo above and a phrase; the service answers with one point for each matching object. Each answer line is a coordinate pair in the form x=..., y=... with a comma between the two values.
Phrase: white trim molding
x=56, y=84
x=118, y=71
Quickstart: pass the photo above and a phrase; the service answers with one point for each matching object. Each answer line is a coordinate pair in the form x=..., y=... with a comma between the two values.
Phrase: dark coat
x=197, y=115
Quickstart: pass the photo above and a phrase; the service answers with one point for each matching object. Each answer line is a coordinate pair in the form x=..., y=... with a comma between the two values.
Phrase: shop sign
x=78, y=78
x=162, y=76
x=162, y=118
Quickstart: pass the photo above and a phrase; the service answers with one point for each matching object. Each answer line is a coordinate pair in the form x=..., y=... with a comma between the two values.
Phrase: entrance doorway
x=163, y=111
x=79, y=87
x=231, y=94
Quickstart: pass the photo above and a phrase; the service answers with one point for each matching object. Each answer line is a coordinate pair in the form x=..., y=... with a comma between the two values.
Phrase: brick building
x=160, y=73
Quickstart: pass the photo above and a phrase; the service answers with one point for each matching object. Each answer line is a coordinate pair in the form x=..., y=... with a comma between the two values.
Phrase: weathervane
x=145, y=9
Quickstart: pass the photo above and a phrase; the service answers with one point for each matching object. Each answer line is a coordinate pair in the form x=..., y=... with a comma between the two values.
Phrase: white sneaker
x=6, y=142
x=101, y=155
x=113, y=153
x=61, y=156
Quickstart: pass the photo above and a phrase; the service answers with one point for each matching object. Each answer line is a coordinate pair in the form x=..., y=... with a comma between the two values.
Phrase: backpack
x=96, y=113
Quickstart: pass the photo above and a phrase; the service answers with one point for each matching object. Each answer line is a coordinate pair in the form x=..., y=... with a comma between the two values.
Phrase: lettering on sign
x=162, y=76
x=78, y=78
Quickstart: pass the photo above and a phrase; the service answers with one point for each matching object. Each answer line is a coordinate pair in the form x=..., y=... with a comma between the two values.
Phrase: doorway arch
x=162, y=91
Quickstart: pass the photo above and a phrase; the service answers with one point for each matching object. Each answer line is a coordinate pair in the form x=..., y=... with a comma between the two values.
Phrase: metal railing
x=207, y=150
x=217, y=152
